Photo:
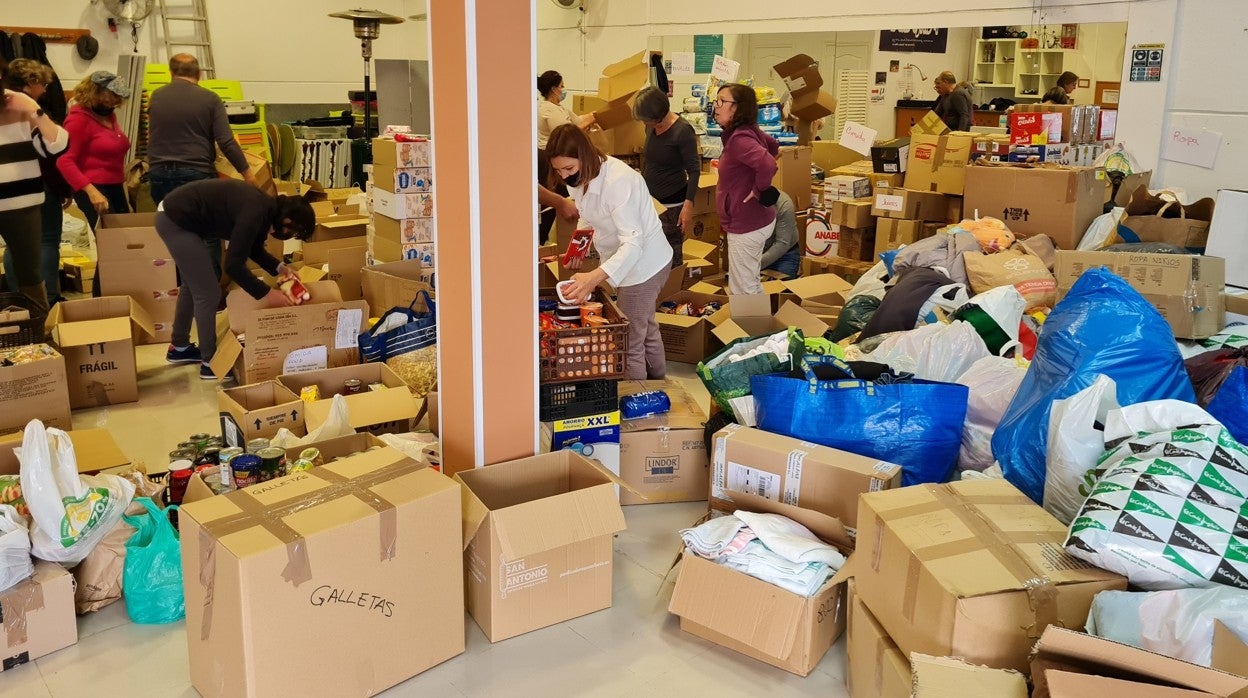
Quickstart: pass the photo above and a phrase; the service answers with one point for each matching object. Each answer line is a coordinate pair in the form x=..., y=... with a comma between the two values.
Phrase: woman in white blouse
x=613, y=200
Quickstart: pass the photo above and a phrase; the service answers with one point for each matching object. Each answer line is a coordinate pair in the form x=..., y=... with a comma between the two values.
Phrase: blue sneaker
x=205, y=373
x=189, y=355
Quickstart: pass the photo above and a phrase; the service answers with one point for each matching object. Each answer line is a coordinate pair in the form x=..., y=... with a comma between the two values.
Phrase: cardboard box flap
x=240, y=306
x=95, y=317
x=1066, y=684
x=624, y=77
x=763, y=615
x=74, y=334
x=474, y=512
x=827, y=528
x=369, y=407
x=829, y=287
x=228, y=348
x=950, y=677
x=1230, y=654
x=930, y=125
x=793, y=315
x=553, y=522
x=694, y=248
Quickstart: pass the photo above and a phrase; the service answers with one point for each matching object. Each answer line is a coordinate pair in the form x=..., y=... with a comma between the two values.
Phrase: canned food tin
x=178, y=454
x=272, y=463
x=213, y=480
x=300, y=464
x=352, y=386
x=246, y=470
x=312, y=455
x=257, y=445
x=189, y=445
x=179, y=475
x=200, y=440
x=224, y=458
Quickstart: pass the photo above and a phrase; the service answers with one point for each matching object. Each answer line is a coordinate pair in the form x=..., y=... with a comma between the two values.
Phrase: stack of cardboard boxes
x=402, y=202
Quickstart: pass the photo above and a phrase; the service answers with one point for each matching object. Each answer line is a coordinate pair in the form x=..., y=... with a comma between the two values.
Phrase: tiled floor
x=633, y=648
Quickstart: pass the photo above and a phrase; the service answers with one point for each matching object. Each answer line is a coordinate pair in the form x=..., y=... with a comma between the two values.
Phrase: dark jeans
x=675, y=237
x=116, y=196
x=788, y=263
x=199, y=293
x=50, y=218
x=165, y=179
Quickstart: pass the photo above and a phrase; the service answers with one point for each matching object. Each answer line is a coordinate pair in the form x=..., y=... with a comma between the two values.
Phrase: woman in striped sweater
x=26, y=134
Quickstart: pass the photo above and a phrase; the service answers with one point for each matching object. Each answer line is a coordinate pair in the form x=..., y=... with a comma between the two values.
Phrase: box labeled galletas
x=404, y=180
x=367, y=546
x=385, y=405
x=38, y=615
x=259, y=410
x=35, y=390
x=909, y=204
x=537, y=536
x=664, y=457
x=972, y=569
x=97, y=338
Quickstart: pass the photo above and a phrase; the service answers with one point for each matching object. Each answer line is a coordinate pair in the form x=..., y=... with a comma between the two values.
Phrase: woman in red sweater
x=94, y=165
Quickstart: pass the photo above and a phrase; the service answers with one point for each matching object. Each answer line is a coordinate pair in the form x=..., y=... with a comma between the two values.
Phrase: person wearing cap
x=215, y=210
x=27, y=135
x=94, y=165
x=670, y=164
x=32, y=78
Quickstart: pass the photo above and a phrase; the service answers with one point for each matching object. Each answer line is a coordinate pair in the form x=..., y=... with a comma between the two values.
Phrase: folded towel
x=803, y=578
x=790, y=540
x=711, y=538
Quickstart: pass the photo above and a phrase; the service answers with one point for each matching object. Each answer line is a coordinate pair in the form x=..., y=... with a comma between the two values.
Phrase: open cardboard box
x=801, y=76
x=664, y=457
x=134, y=261
x=395, y=285
x=945, y=677
x=388, y=408
x=35, y=390
x=97, y=338
x=94, y=449
x=259, y=410
x=751, y=316
x=821, y=290
x=875, y=667
x=687, y=338
x=613, y=110
x=38, y=616
x=344, y=446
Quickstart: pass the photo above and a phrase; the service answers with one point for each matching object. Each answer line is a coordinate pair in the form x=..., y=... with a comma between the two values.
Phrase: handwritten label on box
x=1191, y=146
x=890, y=202
x=858, y=138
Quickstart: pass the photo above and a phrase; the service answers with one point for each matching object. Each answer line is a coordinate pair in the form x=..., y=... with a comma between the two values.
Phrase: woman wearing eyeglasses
x=636, y=258
x=745, y=197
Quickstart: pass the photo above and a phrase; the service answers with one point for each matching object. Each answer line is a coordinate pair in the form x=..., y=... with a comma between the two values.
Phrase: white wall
x=956, y=58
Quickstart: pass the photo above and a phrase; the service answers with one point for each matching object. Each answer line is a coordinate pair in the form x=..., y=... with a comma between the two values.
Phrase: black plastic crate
x=569, y=400
x=20, y=332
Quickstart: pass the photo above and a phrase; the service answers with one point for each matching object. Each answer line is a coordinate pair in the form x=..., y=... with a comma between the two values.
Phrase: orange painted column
x=481, y=62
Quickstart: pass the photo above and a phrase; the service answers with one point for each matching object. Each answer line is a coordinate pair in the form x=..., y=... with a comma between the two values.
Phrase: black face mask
x=572, y=180
x=102, y=110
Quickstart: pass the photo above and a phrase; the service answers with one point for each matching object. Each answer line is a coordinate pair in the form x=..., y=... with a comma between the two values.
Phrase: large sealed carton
x=538, y=541
x=909, y=204
x=893, y=233
x=793, y=473
x=938, y=163
x=340, y=580
x=384, y=406
x=404, y=180
x=972, y=569
x=258, y=411
x=663, y=458
x=35, y=390
x=852, y=213
x=38, y=615
x=687, y=338
x=1185, y=289
x=1059, y=201
x=405, y=205
x=793, y=175
x=133, y=261
x=1085, y=659
x=857, y=244
x=890, y=157
x=97, y=337
x=875, y=666
x=391, y=154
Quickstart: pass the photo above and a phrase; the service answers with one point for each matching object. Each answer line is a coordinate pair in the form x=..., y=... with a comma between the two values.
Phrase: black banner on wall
x=918, y=40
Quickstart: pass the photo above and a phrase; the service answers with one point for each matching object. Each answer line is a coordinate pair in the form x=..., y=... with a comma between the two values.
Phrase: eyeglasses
x=722, y=102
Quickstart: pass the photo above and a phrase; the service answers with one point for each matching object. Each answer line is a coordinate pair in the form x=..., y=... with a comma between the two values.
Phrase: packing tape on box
x=298, y=567
x=882, y=645
x=15, y=604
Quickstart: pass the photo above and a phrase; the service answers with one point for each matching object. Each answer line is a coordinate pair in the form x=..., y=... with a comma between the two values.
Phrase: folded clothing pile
x=769, y=547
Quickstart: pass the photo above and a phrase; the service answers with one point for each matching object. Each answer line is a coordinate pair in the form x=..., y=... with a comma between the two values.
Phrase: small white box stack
x=401, y=196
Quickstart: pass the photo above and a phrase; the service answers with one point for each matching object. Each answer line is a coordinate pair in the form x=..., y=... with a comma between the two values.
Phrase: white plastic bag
x=936, y=352
x=1075, y=443
x=992, y=380
x=70, y=513
x=15, y=562
x=337, y=424
x=1176, y=623
x=1004, y=305
x=1103, y=231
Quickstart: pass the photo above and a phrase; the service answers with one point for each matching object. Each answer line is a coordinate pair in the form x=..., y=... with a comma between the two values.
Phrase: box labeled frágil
x=1185, y=289
x=34, y=390
x=909, y=204
x=687, y=338
x=133, y=261
x=38, y=615
x=97, y=337
x=259, y=410
x=972, y=569
x=664, y=457
x=537, y=536
x=367, y=546
x=1060, y=202
x=384, y=405
x=938, y=163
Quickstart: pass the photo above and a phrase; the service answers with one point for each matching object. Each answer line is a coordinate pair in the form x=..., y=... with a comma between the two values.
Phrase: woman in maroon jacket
x=745, y=197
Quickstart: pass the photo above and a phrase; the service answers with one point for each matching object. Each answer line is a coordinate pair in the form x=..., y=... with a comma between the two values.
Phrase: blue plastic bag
x=1230, y=405
x=916, y=424
x=152, y=577
x=1103, y=326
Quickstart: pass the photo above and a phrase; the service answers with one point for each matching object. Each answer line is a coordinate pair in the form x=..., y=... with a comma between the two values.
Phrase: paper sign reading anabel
x=725, y=69
x=1199, y=148
x=310, y=359
x=890, y=202
x=858, y=138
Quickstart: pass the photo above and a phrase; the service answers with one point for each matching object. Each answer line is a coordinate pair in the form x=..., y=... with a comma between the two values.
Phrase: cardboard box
x=35, y=390
x=403, y=180
x=757, y=618
x=258, y=165
x=386, y=250
x=537, y=536
x=332, y=233
x=385, y=406
x=831, y=156
x=801, y=76
x=704, y=201
x=909, y=204
x=938, y=677
x=1028, y=129
x=857, y=243
x=793, y=175
x=705, y=227
x=78, y=274
x=133, y=261
x=409, y=231
x=839, y=187
x=624, y=77
x=751, y=316
x=1060, y=202
x=97, y=337
x=344, y=267
x=1230, y=654
x=38, y=615
x=94, y=449
x=790, y=473
x=259, y=410
x=821, y=289
x=852, y=213
x=394, y=285
x=1226, y=233
x=391, y=154
x=702, y=260
x=664, y=457
x=892, y=233
x=344, y=446
x=881, y=180
x=626, y=139
x=952, y=569
x=938, y=163
x=282, y=340
x=954, y=212
x=366, y=549
x=687, y=338
x=992, y=147
x=1063, y=650
x=1185, y=289
x=890, y=157
x=875, y=667
x=398, y=206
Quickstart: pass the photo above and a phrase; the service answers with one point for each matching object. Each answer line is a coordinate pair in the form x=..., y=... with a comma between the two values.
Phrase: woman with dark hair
x=613, y=200
x=233, y=211
x=551, y=114
x=1057, y=95
x=1068, y=81
x=670, y=164
x=745, y=197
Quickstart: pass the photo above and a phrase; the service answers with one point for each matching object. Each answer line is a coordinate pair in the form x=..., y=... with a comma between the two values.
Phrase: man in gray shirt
x=781, y=253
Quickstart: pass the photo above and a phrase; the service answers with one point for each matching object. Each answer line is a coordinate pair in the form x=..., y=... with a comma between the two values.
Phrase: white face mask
x=563, y=94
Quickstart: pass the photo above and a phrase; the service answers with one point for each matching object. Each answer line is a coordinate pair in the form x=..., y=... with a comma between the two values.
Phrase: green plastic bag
x=152, y=577
x=727, y=380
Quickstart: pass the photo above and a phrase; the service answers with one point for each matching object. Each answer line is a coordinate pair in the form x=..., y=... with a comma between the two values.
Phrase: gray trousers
x=199, y=294
x=645, y=346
